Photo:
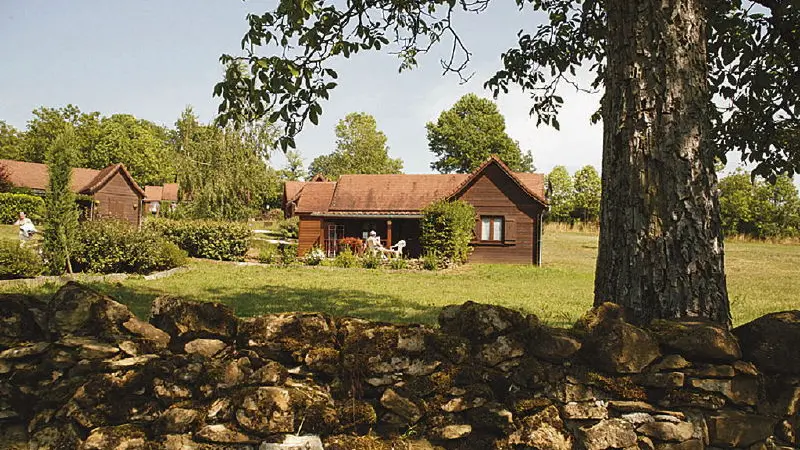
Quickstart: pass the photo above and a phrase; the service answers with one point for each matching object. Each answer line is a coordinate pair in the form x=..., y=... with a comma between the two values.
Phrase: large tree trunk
x=661, y=251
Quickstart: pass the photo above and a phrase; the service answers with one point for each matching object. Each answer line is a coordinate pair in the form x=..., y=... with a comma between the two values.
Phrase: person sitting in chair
x=26, y=229
x=373, y=243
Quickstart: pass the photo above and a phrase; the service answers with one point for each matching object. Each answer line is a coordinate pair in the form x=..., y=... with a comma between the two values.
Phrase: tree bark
x=661, y=250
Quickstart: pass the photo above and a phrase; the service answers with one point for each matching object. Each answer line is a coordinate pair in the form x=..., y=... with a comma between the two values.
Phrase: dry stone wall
x=82, y=372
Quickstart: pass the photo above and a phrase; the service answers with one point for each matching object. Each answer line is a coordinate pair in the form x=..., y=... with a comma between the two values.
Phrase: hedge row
x=109, y=246
x=210, y=239
x=12, y=204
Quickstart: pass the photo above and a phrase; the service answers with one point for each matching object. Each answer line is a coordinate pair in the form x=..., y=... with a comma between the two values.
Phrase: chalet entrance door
x=333, y=233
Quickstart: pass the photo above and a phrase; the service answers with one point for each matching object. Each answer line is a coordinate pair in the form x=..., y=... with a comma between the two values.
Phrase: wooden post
x=388, y=233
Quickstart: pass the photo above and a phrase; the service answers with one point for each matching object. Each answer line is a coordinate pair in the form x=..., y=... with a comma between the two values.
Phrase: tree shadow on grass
x=275, y=299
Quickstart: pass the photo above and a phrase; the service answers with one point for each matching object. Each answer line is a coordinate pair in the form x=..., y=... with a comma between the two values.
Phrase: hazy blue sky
x=152, y=58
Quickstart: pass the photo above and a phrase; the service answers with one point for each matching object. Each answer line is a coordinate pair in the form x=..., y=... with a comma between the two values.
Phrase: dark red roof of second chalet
x=391, y=194
x=168, y=193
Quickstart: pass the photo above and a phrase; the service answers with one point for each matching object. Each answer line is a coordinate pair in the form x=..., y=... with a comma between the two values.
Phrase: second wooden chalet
x=509, y=207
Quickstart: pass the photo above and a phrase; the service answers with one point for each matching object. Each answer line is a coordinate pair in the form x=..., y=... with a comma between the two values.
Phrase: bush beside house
x=447, y=229
x=118, y=247
x=227, y=241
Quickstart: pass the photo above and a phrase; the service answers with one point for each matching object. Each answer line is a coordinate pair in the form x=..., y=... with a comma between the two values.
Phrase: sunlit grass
x=761, y=278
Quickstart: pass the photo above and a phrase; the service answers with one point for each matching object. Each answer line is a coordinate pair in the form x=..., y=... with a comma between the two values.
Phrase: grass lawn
x=761, y=278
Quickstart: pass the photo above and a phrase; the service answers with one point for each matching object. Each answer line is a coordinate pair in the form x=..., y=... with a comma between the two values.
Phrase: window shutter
x=510, y=232
x=477, y=230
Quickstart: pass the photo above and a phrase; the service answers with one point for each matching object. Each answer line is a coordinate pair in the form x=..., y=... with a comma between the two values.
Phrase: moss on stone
x=624, y=387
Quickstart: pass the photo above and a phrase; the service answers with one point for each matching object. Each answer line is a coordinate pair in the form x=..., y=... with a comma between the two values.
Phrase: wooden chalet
x=508, y=205
x=113, y=190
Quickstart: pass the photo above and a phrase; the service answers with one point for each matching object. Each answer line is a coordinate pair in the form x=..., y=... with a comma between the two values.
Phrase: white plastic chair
x=397, y=249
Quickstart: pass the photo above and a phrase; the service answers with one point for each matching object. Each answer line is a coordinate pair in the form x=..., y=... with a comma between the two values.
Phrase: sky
x=153, y=58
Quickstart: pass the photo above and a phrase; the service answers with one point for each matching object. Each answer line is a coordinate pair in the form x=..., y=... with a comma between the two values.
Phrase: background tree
x=61, y=211
x=141, y=145
x=654, y=147
x=360, y=149
x=224, y=171
x=465, y=135
x=560, y=193
x=9, y=141
x=737, y=194
x=294, y=169
x=48, y=123
x=586, y=202
x=758, y=208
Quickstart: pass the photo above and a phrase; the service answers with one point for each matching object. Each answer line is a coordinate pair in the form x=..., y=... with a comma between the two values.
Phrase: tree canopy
x=757, y=208
x=9, y=141
x=753, y=56
x=224, y=172
x=586, y=203
x=573, y=197
x=99, y=141
x=360, y=149
x=464, y=136
x=561, y=194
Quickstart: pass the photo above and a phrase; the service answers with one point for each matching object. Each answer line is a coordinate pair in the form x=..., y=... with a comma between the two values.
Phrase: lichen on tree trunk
x=661, y=250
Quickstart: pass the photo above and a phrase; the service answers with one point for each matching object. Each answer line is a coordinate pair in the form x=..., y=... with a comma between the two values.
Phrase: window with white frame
x=491, y=228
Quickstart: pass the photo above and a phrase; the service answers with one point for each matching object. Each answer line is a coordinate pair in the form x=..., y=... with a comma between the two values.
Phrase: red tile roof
x=391, y=192
x=84, y=181
x=394, y=194
x=292, y=188
x=168, y=193
x=534, y=182
x=153, y=193
x=315, y=197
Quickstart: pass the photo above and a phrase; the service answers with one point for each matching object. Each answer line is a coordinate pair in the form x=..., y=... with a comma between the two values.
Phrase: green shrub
x=287, y=228
x=398, y=264
x=12, y=204
x=371, y=261
x=431, y=260
x=269, y=255
x=18, y=262
x=446, y=228
x=288, y=253
x=345, y=259
x=210, y=239
x=314, y=256
x=109, y=246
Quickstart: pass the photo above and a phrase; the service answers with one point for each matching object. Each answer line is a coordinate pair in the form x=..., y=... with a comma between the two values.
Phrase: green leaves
x=757, y=208
x=753, y=53
x=360, y=148
x=464, y=136
x=61, y=211
x=561, y=194
x=446, y=228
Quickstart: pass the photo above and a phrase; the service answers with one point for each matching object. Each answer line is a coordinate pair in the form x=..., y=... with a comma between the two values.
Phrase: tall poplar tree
x=61, y=211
